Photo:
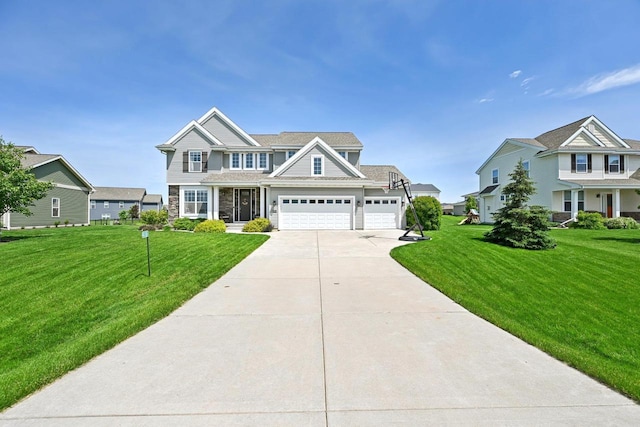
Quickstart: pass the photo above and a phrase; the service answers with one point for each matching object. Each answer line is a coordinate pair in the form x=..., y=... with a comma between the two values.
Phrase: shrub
x=153, y=218
x=429, y=212
x=211, y=226
x=134, y=211
x=622, y=222
x=589, y=221
x=258, y=225
x=57, y=223
x=66, y=222
x=147, y=227
x=184, y=224
x=123, y=215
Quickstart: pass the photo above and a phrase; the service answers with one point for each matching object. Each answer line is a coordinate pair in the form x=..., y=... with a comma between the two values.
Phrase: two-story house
x=298, y=180
x=108, y=202
x=580, y=166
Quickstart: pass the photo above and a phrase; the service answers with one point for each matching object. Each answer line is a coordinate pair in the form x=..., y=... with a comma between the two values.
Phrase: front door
x=609, y=205
x=245, y=203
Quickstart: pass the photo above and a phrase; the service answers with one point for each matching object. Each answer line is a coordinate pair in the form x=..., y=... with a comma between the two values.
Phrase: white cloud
x=526, y=81
x=515, y=74
x=606, y=81
x=546, y=92
x=485, y=100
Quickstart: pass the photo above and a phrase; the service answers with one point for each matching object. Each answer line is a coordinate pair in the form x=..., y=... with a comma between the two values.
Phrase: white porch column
x=216, y=202
x=574, y=203
x=616, y=213
x=263, y=200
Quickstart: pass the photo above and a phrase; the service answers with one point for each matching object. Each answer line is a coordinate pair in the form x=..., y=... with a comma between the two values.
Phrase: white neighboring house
x=418, y=190
x=298, y=180
x=580, y=166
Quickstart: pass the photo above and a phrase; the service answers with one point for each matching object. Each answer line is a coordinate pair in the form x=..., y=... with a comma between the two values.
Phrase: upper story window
x=343, y=154
x=291, y=153
x=263, y=162
x=195, y=161
x=613, y=163
x=581, y=163
x=93, y=204
x=495, y=176
x=317, y=165
x=249, y=161
x=121, y=205
x=106, y=204
x=55, y=207
x=527, y=168
x=235, y=160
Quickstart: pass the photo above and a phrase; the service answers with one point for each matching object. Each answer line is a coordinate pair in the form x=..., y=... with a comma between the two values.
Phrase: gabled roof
x=36, y=160
x=168, y=146
x=118, y=193
x=556, y=137
x=380, y=173
x=27, y=149
x=304, y=150
x=152, y=198
x=300, y=139
x=424, y=187
x=215, y=112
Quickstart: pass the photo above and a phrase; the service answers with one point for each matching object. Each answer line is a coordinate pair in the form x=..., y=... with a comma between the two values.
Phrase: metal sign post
x=145, y=235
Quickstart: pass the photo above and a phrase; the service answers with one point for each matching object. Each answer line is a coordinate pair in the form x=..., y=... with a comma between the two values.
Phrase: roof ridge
x=562, y=127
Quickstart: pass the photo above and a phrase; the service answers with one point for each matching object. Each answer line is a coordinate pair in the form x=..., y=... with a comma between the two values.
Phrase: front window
x=316, y=168
x=248, y=161
x=567, y=201
x=494, y=176
x=55, y=207
x=235, y=160
x=581, y=163
x=262, y=161
x=195, y=161
x=195, y=202
x=614, y=163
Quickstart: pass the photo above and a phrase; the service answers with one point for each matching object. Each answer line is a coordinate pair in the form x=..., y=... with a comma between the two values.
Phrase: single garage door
x=381, y=213
x=315, y=213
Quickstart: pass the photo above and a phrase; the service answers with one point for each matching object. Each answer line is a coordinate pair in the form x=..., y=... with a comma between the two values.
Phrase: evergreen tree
x=516, y=224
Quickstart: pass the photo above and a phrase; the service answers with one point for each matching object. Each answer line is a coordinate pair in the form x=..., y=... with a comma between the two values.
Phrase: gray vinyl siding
x=113, y=210
x=279, y=157
x=224, y=133
x=331, y=167
x=193, y=140
x=354, y=158
x=216, y=161
x=151, y=207
x=74, y=206
x=57, y=172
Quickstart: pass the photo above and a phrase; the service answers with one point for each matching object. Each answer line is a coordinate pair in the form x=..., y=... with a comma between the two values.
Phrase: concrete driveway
x=316, y=329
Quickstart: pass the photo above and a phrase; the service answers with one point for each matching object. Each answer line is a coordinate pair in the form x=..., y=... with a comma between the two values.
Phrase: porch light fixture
x=274, y=203
x=598, y=195
x=359, y=203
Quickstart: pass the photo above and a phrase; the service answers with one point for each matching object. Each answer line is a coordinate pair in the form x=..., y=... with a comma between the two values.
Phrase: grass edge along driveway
x=69, y=294
x=580, y=302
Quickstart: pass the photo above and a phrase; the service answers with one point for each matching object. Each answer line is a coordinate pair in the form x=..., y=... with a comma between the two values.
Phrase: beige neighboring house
x=418, y=190
x=580, y=166
x=298, y=180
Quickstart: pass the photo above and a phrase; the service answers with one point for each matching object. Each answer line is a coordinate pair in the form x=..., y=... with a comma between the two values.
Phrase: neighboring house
x=581, y=166
x=418, y=190
x=67, y=202
x=447, y=208
x=298, y=180
x=108, y=202
x=459, y=208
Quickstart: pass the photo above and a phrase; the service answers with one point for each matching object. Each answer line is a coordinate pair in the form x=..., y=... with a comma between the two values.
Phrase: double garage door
x=336, y=213
x=316, y=213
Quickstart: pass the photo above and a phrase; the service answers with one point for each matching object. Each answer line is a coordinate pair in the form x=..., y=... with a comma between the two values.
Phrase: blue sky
x=430, y=86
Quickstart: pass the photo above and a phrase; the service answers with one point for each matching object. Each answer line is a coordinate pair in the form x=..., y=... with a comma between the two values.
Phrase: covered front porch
x=238, y=204
x=610, y=202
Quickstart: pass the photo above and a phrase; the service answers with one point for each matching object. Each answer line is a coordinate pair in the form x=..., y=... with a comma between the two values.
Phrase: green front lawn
x=579, y=302
x=69, y=294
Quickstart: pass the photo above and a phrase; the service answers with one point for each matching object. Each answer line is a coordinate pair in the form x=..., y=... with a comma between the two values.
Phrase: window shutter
x=185, y=161
x=621, y=163
x=606, y=163
x=573, y=163
x=204, y=162
x=589, y=163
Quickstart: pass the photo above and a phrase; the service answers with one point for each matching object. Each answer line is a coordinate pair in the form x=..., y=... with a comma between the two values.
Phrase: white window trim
x=345, y=156
x=497, y=177
x=93, y=204
x=251, y=156
x=55, y=207
x=586, y=163
x=313, y=162
x=290, y=153
x=194, y=162
x=239, y=161
x=266, y=166
x=611, y=163
x=121, y=205
x=106, y=204
x=183, y=202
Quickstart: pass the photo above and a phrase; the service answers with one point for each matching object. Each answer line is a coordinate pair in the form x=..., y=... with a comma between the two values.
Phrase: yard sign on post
x=145, y=235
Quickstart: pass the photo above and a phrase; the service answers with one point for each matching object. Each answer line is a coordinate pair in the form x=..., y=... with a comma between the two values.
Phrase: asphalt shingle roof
x=30, y=160
x=118, y=193
x=152, y=198
x=554, y=138
x=300, y=139
x=489, y=189
x=424, y=187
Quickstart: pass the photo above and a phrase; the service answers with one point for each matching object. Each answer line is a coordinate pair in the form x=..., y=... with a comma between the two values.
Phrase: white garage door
x=381, y=213
x=315, y=213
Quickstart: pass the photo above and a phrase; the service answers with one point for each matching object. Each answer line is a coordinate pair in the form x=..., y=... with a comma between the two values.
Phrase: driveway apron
x=323, y=328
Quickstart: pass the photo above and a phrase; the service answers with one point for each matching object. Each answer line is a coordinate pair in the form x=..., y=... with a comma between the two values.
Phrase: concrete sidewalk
x=316, y=329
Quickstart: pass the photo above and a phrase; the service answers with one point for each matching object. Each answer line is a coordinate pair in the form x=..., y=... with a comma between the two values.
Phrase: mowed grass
x=69, y=294
x=579, y=302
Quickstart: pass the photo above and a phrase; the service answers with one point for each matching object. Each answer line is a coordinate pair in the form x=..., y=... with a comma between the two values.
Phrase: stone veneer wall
x=634, y=215
x=174, y=202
